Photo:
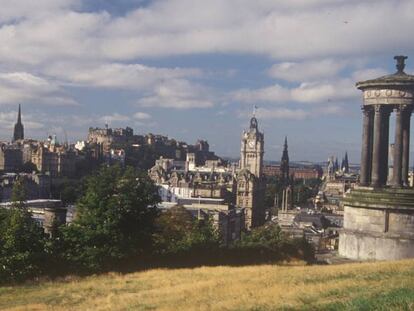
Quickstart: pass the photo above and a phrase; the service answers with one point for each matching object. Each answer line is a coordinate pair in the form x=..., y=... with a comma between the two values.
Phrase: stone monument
x=379, y=217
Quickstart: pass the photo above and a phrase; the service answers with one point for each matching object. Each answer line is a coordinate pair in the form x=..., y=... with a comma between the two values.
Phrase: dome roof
x=399, y=79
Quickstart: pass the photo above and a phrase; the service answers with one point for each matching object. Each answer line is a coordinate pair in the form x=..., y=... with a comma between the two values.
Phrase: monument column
x=397, y=170
x=385, y=138
x=406, y=146
x=366, y=152
x=376, y=148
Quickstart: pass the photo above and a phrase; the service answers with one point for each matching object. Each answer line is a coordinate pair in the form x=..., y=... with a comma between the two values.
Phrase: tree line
x=117, y=226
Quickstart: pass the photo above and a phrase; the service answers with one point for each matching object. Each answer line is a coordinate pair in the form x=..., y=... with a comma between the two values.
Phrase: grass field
x=366, y=286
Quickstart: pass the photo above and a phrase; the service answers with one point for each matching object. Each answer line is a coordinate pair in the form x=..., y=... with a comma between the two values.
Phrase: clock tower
x=252, y=149
x=250, y=181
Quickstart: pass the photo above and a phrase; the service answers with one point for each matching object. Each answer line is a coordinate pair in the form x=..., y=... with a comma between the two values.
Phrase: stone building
x=11, y=158
x=37, y=186
x=250, y=179
x=379, y=217
x=55, y=160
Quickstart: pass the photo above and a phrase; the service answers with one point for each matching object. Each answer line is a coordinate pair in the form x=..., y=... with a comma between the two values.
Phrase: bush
x=182, y=239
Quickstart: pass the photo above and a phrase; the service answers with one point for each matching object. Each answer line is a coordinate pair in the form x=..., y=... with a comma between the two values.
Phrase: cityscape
x=156, y=157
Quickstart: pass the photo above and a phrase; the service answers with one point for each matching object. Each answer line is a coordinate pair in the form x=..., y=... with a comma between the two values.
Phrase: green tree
x=18, y=196
x=115, y=219
x=21, y=240
x=178, y=232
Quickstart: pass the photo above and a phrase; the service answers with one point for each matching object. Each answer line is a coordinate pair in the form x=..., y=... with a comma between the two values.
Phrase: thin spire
x=254, y=110
x=19, y=115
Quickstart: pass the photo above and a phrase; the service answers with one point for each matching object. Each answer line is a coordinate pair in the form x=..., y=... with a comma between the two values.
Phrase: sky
x=195, y=69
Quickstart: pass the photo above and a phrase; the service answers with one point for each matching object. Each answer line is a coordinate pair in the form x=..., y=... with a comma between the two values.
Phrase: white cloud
x=8, y=119
x=294, y=113
x=370, y=73
x=316, y=92
x=115, y=117
x=281, y=29
x=178, y=94
x=306, y=70
x=19, y=87
x=142, y=116
x=117, y=75
x=275, y=93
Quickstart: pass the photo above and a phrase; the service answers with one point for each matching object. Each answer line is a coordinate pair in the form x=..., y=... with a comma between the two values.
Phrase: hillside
x=366, y=286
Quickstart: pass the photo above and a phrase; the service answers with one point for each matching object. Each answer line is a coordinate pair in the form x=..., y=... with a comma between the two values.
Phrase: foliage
x=69, y=190
x=270, y=244
x=178, y=232
x=18, y=196
x=115, y=219
x=29, y=167
x=303, y=191
x=21, y=240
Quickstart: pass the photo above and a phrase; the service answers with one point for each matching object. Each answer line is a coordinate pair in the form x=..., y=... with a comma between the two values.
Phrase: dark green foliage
x=302, y=191
x=179, y=232
x=68, y=190
x=270, y=244
x=115, y=219
x=21, y=241
x=29, y=167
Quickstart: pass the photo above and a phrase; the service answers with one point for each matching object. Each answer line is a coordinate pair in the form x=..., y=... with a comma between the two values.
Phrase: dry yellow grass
x=268, y=287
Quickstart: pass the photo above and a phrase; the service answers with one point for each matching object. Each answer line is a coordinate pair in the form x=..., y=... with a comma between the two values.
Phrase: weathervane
x=255, y=110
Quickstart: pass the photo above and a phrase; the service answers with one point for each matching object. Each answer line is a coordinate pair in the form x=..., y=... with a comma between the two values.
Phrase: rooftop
x=398, y=79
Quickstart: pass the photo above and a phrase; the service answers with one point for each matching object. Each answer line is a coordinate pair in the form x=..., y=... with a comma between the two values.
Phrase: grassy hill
x=366, y=286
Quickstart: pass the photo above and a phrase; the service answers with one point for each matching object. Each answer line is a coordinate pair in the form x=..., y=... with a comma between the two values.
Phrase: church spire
x=18, y=127
x=19, y=115
x=284, y=164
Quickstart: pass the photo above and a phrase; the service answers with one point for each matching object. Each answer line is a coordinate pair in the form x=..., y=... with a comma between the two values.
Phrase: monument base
x=378, y=224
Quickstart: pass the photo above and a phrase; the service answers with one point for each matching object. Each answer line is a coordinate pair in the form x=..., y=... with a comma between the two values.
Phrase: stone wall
x=378, y=225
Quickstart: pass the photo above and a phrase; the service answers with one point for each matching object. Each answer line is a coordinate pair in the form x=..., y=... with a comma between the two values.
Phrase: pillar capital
x=378, y=108
x=403, y=108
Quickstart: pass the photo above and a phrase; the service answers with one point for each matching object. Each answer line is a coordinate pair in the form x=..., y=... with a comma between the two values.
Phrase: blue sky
x=194, y=69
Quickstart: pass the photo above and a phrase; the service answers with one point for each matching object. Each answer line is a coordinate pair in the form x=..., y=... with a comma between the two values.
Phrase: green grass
x=364, y=286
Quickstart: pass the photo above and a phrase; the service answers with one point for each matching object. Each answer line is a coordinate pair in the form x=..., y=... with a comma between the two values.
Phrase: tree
x=18, y=196
x=21, y=240
x=115, y=219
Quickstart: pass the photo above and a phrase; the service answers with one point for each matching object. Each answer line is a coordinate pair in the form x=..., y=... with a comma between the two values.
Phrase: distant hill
x=364, y=286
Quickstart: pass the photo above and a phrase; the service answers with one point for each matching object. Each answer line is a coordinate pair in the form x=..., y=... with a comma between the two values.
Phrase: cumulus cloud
x=18, y=87
x=142, y=116
x=296, y=114
x=179, y=94
x=115, y=117
x=281, y=29
x=117, y=75
x=306, y=70
x=315, y=92
x=8, y=119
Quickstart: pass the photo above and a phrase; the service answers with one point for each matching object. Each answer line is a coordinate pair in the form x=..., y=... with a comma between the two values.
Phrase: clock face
x=251, y=143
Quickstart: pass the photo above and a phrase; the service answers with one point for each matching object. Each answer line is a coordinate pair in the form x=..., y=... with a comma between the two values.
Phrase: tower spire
x=284, y=163
x=19, y=115
x=18, y=127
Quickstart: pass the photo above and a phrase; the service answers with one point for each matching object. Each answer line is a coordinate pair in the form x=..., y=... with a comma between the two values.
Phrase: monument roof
x=398, y=79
